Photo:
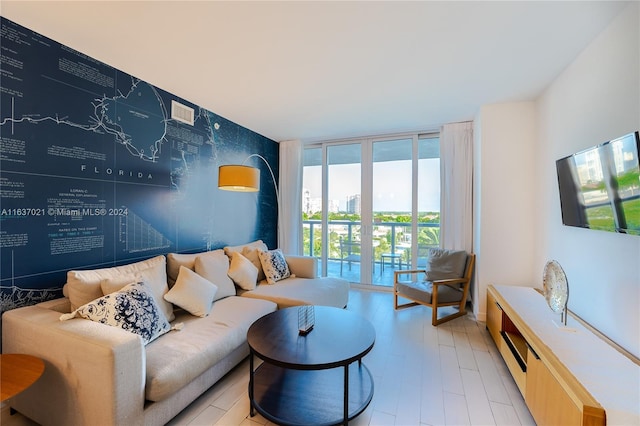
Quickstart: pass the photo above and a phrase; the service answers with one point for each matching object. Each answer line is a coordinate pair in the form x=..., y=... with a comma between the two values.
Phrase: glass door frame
x=366, y=184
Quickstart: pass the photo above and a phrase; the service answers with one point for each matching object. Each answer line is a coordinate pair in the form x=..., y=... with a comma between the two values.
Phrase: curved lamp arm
x=273, y=178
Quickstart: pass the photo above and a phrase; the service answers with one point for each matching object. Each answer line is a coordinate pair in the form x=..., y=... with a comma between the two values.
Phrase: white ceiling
x=325, y=70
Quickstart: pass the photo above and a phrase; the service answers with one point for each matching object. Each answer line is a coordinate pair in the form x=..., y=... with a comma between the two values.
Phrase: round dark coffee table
x=308, y=379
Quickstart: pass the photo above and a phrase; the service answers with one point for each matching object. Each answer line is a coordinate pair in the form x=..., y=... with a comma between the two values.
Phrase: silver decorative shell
x=555, y=286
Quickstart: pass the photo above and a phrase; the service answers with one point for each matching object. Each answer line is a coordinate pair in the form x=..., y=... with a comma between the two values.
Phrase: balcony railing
x=387, y=237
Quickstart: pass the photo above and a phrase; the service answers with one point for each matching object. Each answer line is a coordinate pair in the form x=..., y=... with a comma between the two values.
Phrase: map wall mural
x=99, y=168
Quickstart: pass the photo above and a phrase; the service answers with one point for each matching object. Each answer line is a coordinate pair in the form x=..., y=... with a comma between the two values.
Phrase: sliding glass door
x=392, y=187
x=371, y=206
x=344, y=207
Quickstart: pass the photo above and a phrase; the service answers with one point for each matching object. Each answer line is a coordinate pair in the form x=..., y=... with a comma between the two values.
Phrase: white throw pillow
x=214, y=266
x=253, y=254
x=192, y=293
x=133, y=309
x=274, y=265
x=243, y=272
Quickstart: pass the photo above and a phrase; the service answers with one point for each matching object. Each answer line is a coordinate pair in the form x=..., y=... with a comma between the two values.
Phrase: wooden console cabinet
x=567, y=375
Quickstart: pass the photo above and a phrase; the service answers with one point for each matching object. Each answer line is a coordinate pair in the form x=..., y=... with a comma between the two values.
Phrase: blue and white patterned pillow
x=274, y=265
x=132, y=309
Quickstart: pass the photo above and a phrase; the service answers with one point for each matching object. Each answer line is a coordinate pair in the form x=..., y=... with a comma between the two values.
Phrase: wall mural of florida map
x=99, y=168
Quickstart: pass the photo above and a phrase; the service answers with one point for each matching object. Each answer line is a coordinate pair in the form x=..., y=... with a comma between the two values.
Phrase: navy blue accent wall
x=95, y=172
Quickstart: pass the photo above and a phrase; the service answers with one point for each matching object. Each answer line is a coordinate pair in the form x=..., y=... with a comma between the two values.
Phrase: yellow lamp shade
x=239, y=178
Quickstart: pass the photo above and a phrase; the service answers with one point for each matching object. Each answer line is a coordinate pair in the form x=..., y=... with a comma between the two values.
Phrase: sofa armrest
x=302, y=266
x=94, y=373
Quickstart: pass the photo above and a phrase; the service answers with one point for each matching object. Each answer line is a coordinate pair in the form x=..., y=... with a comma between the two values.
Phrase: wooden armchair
x=437, y=293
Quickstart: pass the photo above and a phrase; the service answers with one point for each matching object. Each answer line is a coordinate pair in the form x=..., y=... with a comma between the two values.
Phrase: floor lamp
x=243, y=178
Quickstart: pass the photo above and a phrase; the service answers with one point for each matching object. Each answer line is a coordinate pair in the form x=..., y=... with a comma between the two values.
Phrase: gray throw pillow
x=445, y=264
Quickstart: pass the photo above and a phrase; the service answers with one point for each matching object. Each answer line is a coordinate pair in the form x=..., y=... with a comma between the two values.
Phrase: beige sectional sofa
x=98, y=374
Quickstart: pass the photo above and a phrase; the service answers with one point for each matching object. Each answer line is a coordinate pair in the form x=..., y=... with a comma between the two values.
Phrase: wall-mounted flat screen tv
x=600, y=186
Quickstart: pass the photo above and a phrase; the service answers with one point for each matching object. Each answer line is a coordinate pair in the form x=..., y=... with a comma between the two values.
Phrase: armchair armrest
x=448, y=281
x=409, y=271
x=397, y=274
x=94, y=373
x=451, y=281
x=302, y=266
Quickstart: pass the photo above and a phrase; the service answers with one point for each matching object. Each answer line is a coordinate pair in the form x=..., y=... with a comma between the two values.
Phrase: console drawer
x=511, y=351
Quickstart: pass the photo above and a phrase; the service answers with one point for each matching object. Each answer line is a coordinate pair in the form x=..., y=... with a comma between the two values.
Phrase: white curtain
x=456, y=196
x=290, y=209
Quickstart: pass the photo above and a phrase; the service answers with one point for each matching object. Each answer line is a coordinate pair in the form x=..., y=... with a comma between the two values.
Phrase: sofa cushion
x=113, y=284
x=293, y=291
x=133, y=309
x=175, y=260
x=192, y=293
x=242, y=271
x=302, y=266
x=258, y=244
x=274, y=265
x=214, y=266
x=83, y=286
x=179, y=357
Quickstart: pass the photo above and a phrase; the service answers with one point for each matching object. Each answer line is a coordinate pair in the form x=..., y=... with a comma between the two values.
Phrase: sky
x=391, y=184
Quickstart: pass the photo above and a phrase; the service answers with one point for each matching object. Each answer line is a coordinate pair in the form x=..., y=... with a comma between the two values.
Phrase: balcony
x=391, y=248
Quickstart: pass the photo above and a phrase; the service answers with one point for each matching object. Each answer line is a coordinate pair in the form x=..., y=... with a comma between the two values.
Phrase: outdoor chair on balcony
x=446, y=282
x=393, y=257
x=349, y=252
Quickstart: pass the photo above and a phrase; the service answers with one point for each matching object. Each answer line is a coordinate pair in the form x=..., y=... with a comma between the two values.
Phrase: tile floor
x=446, y=375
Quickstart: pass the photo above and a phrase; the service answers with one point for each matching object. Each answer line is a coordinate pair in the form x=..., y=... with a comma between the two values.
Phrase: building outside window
x=371, y=205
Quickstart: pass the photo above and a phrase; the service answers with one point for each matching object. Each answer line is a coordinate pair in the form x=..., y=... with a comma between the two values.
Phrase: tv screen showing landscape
x=600, y=187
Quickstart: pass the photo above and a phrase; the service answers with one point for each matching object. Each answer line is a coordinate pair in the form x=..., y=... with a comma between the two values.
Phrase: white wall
x=505, y=213
x=597, y=98
x=517, y=221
